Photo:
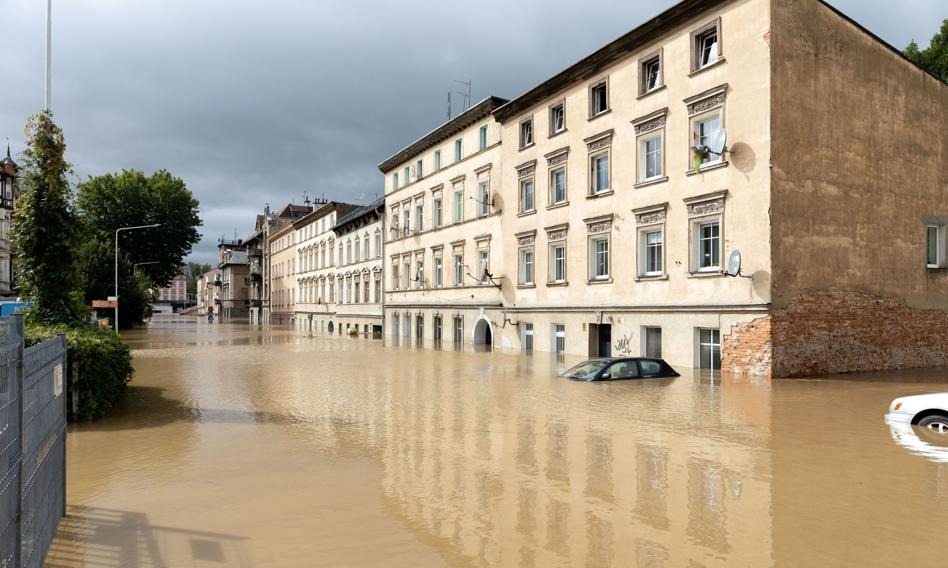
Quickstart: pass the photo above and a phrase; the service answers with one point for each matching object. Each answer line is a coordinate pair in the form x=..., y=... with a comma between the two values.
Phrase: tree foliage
x=193, y=271
x=934, y=58
x=130, y=198
x=44, y=227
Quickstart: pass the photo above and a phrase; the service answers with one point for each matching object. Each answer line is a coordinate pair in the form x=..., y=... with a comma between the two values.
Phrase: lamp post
x=117, y=231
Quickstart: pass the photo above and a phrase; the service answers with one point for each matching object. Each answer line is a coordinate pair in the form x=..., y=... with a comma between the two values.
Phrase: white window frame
x=526, y=336
x=594, y=254
x=552, y=177
x=482, y=137
x=483, y=197
x=558, y=331
x=438, y=262
x=594, y=172
x=646, y=64
x=526, y=272
x=483, y=265
x=939, y=237
x=644, y=268
x=696, y=123
x=526, y=132
x=554, y=127
x=643, y=141
x=437, y=160
x=438, y=213
x=458, y=209
x=552, y=271
x=713, y=345
x=458, y=149
x=419, y=273
x=419, y=216
x=528, y=181
x=593, y=88
x=458, y=263
x=698, y=45
x=696, y=242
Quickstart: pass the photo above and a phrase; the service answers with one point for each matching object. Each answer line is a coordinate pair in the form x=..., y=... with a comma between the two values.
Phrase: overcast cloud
x=257, y=102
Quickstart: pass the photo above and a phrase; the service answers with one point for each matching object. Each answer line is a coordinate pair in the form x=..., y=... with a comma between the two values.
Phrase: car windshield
x=586, y=370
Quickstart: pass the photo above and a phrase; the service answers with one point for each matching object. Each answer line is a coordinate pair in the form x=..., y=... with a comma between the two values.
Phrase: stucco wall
x=860, y=137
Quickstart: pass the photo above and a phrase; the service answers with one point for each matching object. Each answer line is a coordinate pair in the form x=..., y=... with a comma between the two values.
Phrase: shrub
x=104, y=366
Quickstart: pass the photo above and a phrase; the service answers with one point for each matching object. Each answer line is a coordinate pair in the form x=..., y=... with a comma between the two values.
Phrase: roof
x=618, y=49
x=338, y=206
x=8, y=161
x=359, y=213
x=294, y=211
x=443, y=132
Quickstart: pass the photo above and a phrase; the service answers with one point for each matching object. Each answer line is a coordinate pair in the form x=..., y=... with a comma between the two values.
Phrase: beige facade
x=282, y=273
x=207, y=290
x=625, y=183
x=359, y=273
x=443, y=209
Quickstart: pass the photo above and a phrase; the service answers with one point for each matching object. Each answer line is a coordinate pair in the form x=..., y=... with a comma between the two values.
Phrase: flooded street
x=239, y=447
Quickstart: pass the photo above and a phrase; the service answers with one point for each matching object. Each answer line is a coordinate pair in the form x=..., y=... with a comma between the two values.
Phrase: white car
x=929, y=411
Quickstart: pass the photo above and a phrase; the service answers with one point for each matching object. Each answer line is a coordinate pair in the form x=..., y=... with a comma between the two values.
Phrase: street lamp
x=117, y=231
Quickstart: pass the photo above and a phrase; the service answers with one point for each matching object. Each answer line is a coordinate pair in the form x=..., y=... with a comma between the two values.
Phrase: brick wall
x=837, y=332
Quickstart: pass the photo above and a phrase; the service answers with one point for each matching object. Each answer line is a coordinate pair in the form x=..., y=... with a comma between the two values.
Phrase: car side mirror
x=605, y=377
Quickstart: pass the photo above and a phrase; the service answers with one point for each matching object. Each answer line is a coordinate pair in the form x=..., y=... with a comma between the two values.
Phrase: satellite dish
x=718, y=143
x=734, y=263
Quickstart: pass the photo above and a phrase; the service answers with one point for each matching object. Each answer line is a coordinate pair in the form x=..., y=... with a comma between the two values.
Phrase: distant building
x=8, y=175
x=207, y=290
x=175, y=293
x=359, y=274
x=276, y=302
x=233, y=295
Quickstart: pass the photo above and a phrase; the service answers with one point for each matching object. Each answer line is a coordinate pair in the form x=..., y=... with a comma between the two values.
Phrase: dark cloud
x=256, y=102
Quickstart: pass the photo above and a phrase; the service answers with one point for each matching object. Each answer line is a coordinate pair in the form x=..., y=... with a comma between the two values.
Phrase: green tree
x=44, y=227
x=131, y=198
x=192, y=272
x=934, y=59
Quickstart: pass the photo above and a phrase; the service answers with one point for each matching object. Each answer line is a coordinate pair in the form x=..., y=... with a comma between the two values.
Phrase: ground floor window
x=527, y=339
x=652, y=341
x=406, y=326
x=559, y=338
x=395, y=326
x=709, y=348
x=458, y=331
x=436, y=330
x=419, y=327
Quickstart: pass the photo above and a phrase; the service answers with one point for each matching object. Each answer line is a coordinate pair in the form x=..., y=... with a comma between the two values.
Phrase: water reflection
x=489, y=459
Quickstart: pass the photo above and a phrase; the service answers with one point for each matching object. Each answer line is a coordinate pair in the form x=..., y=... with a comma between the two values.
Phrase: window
x=525, y=273
x=378, y=289
x=407, y=174
x=526, y=339
x=483, y=265
x=526, y=133
x=407, y=222
x=709, y=348
x=419, y=273
x=378, y=245
x=395, y=327
x=482, y=137
x=365, y=248
x=558, y=186
x=934, y=246
x=438, y=271
x=706, y=46
x=357, y=250
x=483, y=198
x=708, y=246
x=419, y=169
x=527, y=204
x=436, y=330
x=458, y=203
x=407, y=276
x=559, y=338
x=458, y=269
x=395, y=180
x=599, y=258
x=557, y=118
x=355, y=297
x=652, y=342
x=599, y=173
x=419, y=328
x=558, y=261
x=650, y=70
x=457, y=150
x=394, y=228
x=652, y=251
x=437, y=217
x=437, y=160
x=365, y=292
x=419, y=216
x=458, y=330
x=598, y=98
x=650, y=157
x=705, y=130
x=406, y=325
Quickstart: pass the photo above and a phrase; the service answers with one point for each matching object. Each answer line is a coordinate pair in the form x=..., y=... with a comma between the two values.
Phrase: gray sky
x=256, y=102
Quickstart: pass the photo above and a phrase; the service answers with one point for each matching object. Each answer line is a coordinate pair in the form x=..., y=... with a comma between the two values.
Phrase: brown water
x=236, y=447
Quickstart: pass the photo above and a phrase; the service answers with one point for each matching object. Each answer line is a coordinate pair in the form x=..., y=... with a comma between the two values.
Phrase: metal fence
x=32, y=445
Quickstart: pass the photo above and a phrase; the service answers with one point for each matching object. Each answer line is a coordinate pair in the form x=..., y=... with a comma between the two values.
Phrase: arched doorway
x=331, y=327
x=483, y=334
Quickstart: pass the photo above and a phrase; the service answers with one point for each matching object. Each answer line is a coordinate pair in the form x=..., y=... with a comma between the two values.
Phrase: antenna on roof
x=449, y=105
x=466, y=95
x=305, y=198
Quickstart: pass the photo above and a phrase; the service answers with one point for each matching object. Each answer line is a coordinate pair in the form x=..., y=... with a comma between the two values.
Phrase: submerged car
x=928, y=411
x=615, y=369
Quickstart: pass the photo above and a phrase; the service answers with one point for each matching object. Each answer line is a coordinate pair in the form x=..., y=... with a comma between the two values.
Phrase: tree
x=44, y=227
x=934, y=59
x=193, y=271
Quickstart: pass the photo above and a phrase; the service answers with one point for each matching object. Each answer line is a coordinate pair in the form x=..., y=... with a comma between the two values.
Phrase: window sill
x=603, y=113
x=708, y=168
x=557, y=283
x=649, y=182
x=527, y=146
x=557, y=205
x=557, y=133
x=708, y=274
x=600, y=281
x=721, y=61
x=527, y=213
x=651, y=278
x=606, y=193
x=652, y=92
x=526, y=286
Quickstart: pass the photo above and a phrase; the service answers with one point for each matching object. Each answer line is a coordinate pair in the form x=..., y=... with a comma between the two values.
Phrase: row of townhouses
x=758, y=185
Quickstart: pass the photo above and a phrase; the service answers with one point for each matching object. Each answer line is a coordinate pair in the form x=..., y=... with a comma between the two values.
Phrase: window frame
x=605, y=154
x=526, y=134
x=645, y=329
x=552, y=197
x=523, y=183
x=697, y=47
x=437, y=160
x=939, y=238
x=593, y=253
x=591, y=93
x=437, y=261
x=558, y=331
x=457, y=257
x=437, y=215
x=552, y=262
x=483, y=193
x=557, y=106
x=642, y=148
x=526, y=276
x=458, y=209
x=458, y=149
x=654, y=58
x=482, y=137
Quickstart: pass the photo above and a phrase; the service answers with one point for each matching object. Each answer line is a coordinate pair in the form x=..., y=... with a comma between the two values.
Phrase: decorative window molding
x=708, y=100
x=707, y=204
x=699, y=60
x=526, y=169
x=526, y=238
x=651, y=121
x=458, y=179
x=557, y=157
x=483, y=169
x=599, y=224
x=599, y=141
x=651, y=215
x=557, y=232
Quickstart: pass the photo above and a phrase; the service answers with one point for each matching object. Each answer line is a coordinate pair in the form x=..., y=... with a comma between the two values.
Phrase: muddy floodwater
x=244, y=447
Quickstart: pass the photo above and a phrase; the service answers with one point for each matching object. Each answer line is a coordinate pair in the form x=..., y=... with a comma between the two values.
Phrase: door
x=605, y=340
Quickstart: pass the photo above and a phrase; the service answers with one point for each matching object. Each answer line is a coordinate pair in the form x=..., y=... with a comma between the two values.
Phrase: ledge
x=555, y=134
x=557, y=284
x=603, y=281
x=708, y=274
x=656, y=278
x=705, y=169
x=557, y=205
x=527, y=213
x=652, y=92
x=721, y=61
x=606, y=193
x=526, y=286
x=650, y=182
x=603, y=113
x=527, y=146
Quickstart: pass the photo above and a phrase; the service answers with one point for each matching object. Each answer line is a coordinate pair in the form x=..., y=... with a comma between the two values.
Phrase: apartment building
x=443, y=241
x=207, y=293
x=629, y=180
x=272, y=223
x=233, y=294
x=8, y=175
x=318, y=255
x=359, y=274
x=175, y=293
x=282, y=272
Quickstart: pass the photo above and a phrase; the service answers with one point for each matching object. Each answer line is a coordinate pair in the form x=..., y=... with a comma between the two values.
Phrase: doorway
x=483, y=335
x=600, y=340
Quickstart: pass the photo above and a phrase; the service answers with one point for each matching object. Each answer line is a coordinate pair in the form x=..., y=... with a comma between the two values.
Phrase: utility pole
x=49, y=55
